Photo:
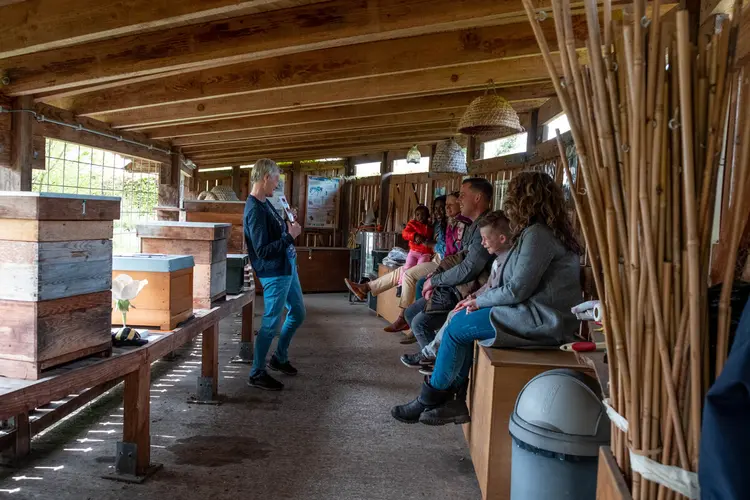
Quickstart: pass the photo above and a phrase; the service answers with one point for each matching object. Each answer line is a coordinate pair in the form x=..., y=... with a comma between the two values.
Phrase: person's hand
x=427, y=295
x=463, y=304
x=418, y=239
x=471, y=306
x=294, y=229
x=295, y=212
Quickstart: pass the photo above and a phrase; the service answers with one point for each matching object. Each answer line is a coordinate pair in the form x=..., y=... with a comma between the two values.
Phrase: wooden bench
x=498, y=375
x=388, y=308
x=19, y=398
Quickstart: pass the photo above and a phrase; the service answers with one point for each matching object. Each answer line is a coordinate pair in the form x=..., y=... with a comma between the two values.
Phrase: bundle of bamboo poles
x=654, y=114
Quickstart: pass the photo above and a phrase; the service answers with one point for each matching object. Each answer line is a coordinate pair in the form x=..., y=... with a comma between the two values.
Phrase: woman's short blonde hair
x=262, y=168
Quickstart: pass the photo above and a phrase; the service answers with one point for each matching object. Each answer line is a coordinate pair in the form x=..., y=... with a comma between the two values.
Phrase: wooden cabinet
x=167, y=299
x=230, y=212
x=55, y=276
x=321, y=269
x=206, y=242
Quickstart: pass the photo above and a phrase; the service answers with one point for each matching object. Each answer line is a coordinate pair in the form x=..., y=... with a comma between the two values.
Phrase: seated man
x=495, y=231
x=468, y=266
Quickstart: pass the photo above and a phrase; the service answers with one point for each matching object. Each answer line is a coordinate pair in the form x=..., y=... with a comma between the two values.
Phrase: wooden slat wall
x=364, y=193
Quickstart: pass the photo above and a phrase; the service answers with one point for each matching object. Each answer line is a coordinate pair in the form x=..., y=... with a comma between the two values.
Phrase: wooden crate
x=388, y=304
x=167, y=300
x=231, y=212
x=497, y=376
x=206, y=242
x=56, y=273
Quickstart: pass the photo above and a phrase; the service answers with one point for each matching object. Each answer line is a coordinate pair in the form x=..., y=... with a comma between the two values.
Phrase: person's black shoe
x=416, y=360
x=398, y=291
x=285, y=368
x=264, y=381
x=427, y=370
x=428, y=399
x=452, y=412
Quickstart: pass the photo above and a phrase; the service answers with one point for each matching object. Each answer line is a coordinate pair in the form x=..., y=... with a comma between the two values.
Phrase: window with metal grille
x=76, y=169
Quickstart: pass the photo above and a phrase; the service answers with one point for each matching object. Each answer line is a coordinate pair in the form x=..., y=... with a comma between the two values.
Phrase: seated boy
x=495, y=231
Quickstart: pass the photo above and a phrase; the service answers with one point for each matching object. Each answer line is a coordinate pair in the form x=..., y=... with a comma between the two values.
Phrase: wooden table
x=133, y=364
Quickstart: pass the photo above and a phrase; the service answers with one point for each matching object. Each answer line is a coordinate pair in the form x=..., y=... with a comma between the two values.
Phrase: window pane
x=402, y=167
x=505, y=146
x=550, y=130
x=367, y=169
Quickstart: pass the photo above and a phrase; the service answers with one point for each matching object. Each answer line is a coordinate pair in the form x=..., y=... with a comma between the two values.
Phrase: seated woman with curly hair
x=530, y=307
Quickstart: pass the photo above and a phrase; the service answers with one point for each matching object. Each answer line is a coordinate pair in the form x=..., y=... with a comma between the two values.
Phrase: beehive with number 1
x=55, y=279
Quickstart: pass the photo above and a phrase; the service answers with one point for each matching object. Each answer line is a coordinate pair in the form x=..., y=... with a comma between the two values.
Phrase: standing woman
x=270, y=246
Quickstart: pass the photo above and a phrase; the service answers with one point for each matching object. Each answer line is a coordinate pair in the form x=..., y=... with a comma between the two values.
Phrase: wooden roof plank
x=53, y=24
x=240, y=39
x=434, y=81
x=340, y=63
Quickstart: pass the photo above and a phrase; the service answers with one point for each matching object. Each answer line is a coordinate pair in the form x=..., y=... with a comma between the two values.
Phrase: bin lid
x=561, y=411
x=152, y=262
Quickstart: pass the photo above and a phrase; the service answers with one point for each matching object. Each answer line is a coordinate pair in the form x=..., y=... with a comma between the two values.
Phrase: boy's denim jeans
x=278, y=292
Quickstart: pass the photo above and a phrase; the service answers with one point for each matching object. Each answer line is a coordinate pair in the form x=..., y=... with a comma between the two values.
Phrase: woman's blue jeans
x=456, y=353
x=278, y=292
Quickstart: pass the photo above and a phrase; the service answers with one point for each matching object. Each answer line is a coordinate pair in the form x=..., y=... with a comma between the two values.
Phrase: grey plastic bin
x=557, y=427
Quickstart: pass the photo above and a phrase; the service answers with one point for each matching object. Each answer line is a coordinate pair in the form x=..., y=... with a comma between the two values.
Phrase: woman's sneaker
x=415, y=360
x=285, y=368
x=264, y=381
x=427, y=370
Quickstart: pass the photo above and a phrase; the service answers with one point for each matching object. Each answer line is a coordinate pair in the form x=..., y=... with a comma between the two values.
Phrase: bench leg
x=208, y=382
x=22, y=446
x=246, y=340
x=133, y=458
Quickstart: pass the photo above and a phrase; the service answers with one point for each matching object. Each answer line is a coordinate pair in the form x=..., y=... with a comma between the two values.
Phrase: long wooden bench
x=498, y=375
x=19, y=398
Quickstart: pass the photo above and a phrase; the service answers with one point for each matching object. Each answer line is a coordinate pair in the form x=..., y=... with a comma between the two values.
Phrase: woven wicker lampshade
x=492, y=115
x=449, y=158
x=413, y=155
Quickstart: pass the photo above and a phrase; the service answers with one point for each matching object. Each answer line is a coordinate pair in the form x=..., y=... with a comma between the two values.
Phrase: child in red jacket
x=417, y=232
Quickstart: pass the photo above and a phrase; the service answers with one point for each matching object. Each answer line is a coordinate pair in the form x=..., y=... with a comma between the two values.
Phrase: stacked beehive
x=230, y=212
x=206, y=242
x=55, y=279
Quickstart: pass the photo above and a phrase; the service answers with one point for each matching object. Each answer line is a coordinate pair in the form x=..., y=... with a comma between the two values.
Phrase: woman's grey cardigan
x=541, y=282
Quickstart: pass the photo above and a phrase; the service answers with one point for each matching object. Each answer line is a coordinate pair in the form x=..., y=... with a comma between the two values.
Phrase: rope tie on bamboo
x=672, y=477
x=677, y=479
x=541, y=16
x=645, y=22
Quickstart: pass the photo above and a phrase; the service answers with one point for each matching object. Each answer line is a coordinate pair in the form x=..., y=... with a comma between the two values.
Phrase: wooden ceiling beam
x=448, y=128
x=443, y=129
x=513, y=72
x=313, y=153
x=240, y=39
x=388, y=57
x=396, y=107
x=393, y=110
x=53, y=24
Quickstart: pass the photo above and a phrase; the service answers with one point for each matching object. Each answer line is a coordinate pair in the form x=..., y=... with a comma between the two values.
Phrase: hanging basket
x=413, y=156
x=492, y=115
x=450, y=158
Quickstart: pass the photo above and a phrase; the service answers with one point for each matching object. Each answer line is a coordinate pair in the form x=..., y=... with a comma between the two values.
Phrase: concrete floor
x=328, y=435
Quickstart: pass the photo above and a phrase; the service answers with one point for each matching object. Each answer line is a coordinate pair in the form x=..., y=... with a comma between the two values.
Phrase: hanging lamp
x=490, y=115
x=450, y=158
x=413, y=155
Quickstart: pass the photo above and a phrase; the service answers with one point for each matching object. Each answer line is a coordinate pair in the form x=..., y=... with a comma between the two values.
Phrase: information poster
x=322, y=202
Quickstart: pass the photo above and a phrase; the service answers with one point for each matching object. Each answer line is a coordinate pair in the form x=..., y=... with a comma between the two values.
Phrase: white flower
x=126, y=288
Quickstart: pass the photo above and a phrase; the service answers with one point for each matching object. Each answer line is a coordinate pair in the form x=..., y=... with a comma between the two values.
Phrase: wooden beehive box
x=167, y=299
x=205, y=241
x=55, y=276
x=231, y=212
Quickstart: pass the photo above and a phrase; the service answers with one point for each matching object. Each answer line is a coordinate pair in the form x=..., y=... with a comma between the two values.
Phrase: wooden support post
x=246, y=338
x=22, y=447
x=169, y=186
x=17, y=175
x=473, y=150
x=533, y=132
x=136, y=426
x=386, y=169
x=236, y=187
x=210, y=359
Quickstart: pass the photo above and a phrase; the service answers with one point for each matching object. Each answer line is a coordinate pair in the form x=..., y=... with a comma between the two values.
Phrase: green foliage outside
x=84, y=170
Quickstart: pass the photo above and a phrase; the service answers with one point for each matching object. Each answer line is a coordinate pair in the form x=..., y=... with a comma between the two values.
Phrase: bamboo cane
x=686, y=116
